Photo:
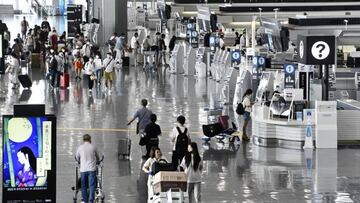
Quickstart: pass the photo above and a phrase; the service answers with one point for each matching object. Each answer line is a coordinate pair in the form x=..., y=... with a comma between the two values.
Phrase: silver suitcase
x=124, y=147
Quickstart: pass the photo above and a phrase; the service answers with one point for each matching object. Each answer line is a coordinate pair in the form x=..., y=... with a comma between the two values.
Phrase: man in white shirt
x=134, y=44
x=109, y=63
x=87, y=156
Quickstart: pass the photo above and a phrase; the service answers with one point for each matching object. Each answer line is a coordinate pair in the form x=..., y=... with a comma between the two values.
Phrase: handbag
x=93, y=77
x=143, y=139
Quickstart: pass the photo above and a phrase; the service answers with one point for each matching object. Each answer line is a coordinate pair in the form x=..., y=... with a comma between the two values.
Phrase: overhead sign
x=203, y=12
x=236, y=57
x=29, y=159
x=194, y=39
x=289, y=75
x=316, y=50
x=258, y=62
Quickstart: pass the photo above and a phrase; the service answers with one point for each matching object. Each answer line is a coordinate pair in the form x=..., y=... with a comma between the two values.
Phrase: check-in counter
x=277, y=132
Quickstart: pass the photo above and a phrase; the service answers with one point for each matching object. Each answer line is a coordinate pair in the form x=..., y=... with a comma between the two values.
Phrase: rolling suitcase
x=224, y=121
x=35, y=60
x=124, y=147
x=25, y=81
x=64, y=80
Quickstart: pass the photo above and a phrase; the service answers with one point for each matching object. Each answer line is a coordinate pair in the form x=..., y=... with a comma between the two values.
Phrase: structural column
x=112, y=15
x=121, y=17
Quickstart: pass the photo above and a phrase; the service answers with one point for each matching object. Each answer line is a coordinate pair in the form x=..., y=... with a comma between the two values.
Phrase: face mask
x=97, y=57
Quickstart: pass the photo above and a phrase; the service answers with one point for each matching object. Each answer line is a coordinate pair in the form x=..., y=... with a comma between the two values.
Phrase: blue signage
x=236, y=56
x=258, y=62
x=289, y=75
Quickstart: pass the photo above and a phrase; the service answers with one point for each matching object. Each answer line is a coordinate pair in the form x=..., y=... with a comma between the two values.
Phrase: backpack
x=53, y=63
x=240, y=109
x=182, y=141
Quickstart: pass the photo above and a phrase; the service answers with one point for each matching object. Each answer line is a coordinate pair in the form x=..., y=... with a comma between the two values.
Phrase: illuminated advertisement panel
x=29, y=159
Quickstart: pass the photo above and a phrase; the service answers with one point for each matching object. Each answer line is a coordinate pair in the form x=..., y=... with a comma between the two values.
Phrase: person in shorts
x=108, y=63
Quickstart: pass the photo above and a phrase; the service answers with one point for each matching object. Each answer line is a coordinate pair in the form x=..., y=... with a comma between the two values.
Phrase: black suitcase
x=125, y=61
x=212, y=130
x=25, y=81
x=161, y=165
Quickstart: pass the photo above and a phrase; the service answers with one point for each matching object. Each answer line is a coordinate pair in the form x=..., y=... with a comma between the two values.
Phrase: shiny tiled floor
x=240, y=173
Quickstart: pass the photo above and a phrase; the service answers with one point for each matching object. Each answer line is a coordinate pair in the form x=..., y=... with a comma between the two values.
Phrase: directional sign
x=289, y=75
x=316, y=50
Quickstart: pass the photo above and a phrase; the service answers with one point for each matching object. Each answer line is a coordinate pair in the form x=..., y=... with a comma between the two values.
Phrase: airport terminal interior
x=270, y=90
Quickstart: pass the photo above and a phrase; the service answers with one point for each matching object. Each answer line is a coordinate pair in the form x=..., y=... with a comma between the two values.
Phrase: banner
x=29, y=159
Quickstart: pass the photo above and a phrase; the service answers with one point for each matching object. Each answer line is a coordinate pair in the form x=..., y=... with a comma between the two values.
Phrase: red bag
x=64, y=80
x=224, y=121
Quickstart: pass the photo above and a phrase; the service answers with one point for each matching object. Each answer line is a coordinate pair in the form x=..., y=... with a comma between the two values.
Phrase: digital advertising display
x=29, y=159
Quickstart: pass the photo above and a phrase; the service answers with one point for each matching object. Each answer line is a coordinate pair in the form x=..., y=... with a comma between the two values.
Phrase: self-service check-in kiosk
x=357, y=85
x=243, y=82
x=200, y=66
x=189, y=62
x=176, y=62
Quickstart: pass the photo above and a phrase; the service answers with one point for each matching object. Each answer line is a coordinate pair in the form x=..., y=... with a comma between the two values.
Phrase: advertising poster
x=29, y=159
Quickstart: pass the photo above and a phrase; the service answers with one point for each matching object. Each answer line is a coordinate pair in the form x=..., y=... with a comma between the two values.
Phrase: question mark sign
x=321, y=49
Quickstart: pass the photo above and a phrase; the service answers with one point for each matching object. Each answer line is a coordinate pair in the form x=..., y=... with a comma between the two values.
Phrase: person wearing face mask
x=53, y=68
x=78, y=66
x=155, y=156
x=98, y=68
x=109, y=70
x=89, y=72
x=192, y=166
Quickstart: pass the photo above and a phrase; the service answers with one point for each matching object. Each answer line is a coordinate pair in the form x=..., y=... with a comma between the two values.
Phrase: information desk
x=277, y=132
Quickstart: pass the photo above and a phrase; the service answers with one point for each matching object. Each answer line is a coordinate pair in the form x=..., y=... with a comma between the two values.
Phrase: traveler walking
x=24, y=27
x=109, y=71
x=90, y=73
x=87, y=156
x=180, y=137
x=247, y=104
x=192, y=166
x=155, y=156
x=151, y=133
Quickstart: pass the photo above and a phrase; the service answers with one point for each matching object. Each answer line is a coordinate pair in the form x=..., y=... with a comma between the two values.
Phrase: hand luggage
x=161, y=165
x=35, y=60
x=212, y=130
x=25, y=81
x=125, y=61
x=64, y=80
x=124, y=147
x=224, y=121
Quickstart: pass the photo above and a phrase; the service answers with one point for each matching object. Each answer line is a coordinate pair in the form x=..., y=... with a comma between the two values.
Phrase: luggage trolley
x=99, y=193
